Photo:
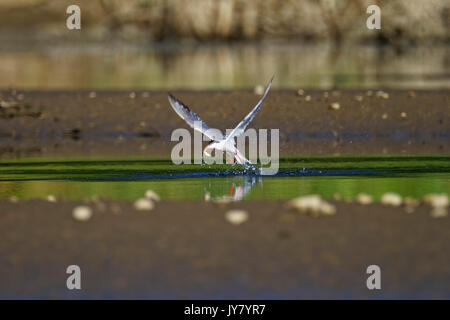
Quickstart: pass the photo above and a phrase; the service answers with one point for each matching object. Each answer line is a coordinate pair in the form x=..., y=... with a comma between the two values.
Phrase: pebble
x=13, y=199
x=382, y=94
x=259, y=90
x=152, y=195
x=369, y=93
x=384, y=116
x=51, y=198
x=335, y=106
x=236, y=216
x=436, y=200
x=92, y=95
x=312, y=204
x=82, y=213
x=143, y=204
x=132, y=95
x=439, y=212
x=363, y=198
x=403, y=114
x=359, y=98
x=300, y=92
x=391, y=199
x=308, y=98
x=412, y=94
x=145, y=94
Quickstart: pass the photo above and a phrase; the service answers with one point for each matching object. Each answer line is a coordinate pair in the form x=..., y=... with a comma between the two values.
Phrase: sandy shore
x=139, y=123
x=189, y=250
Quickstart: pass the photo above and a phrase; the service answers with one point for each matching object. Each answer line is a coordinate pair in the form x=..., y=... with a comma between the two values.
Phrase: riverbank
x=189, y=249
x=122, y=123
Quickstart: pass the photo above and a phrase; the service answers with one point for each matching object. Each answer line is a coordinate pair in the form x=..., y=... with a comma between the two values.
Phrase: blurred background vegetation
x=224, y=44
x=403, y=21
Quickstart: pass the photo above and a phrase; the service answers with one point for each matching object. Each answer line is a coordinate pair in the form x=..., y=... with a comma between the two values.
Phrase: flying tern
x=219, y=142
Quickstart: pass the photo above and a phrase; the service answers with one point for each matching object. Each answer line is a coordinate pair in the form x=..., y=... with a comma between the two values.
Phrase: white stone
x=391, y=199
x=82, y=213
x=436, y=200
x=236, y=216
x=363, y=198
x=51, y=198
x=152, y=195
x=144, y=204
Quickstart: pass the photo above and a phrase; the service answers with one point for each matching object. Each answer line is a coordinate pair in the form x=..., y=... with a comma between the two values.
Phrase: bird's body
x=227, y=143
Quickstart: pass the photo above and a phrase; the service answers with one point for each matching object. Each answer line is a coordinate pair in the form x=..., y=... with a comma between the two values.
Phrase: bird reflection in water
x=236, y=192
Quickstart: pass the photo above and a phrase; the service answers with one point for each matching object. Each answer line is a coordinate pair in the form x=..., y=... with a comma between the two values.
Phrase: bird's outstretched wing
x=192, y=119
x=240, y=128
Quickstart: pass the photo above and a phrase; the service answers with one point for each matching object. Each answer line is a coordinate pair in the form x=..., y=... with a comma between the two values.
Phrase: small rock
x=335, y=93
x=259, y=90
x=13, y=199
x=207, y=197
x=391, y=199
x=308, y=98
x=439, y=212
x=326, y=94
x=335, y=106
x=51, y=198
x=436, y=200
x=82, y=213
x=363, y=198
x=145, y=94
x=132, y=95
x=408, y=201
x=92, y=94
x=312, y=204
x=369, y=93
x=412, y=94
x=236, y=216
x=359, y=98
x=152, y=195
x=8, y=104
x=384, y=116
x=403, y=114
x=300, y=92
x=382, y=94
x=143, y=204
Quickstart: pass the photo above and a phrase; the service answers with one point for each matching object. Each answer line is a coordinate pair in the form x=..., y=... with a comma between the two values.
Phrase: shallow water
x=130, y=178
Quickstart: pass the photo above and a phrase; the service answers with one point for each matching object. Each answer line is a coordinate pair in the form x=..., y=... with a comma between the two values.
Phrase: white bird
x=220, y=142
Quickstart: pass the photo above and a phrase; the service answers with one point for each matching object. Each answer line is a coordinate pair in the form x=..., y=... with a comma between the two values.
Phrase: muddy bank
x=140, y=123
x=189, y=250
